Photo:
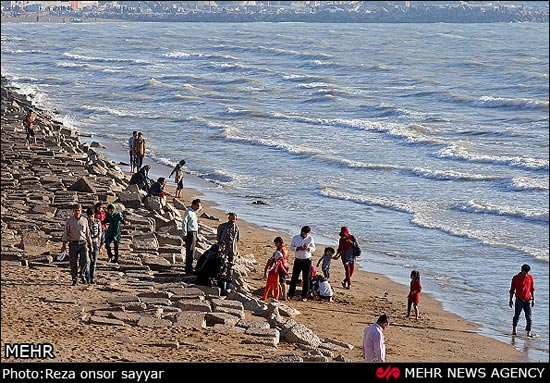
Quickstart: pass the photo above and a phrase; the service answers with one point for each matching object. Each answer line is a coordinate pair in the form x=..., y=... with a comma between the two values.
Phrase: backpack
x=356, y=249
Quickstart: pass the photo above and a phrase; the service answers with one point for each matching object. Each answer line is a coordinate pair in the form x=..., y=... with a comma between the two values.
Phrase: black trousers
x=300, y=266
x=190, y=243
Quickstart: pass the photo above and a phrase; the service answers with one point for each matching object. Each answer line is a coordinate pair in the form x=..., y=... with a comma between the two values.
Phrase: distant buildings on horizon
x=305, y=11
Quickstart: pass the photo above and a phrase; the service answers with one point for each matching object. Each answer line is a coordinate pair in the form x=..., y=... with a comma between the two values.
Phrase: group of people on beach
x=87, y=235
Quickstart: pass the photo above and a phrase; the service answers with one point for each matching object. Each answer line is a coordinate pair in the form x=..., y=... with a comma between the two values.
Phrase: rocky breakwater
x=149, y=287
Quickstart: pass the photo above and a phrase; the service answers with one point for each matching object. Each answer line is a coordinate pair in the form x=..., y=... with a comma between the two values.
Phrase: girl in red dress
x=414, y=293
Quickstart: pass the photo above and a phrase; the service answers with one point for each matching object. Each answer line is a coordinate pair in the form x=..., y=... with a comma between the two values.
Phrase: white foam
x=477, y=206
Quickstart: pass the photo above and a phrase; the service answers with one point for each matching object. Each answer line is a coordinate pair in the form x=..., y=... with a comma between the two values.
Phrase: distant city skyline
x=280, y=11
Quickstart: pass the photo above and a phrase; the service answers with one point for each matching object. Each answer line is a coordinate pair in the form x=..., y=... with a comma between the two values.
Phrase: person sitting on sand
x=321, y=288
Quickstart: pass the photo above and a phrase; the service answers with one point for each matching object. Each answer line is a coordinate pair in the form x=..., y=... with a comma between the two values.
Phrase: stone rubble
x=41, y=183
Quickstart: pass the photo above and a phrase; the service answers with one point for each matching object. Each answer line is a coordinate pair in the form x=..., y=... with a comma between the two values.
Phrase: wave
x=451, y=175
x=152, y=83
x=421, y=217
x=293, y=53
x=104, y=59
x=229, y=66
x=232, y=134
x=476, y=206
x=524, y=183
x=88, y=67
x=320, y=64
x=378, y=68
x=457, y=151
x=23, y=51
x=412, y=133
x=198, y=55
x=187, y=98
x=513, y=103
x=301, y=78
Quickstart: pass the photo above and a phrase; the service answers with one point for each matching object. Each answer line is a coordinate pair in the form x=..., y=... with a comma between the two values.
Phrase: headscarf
x=345, y=231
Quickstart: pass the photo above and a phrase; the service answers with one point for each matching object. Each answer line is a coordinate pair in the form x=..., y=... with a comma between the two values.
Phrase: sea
x=429, y=141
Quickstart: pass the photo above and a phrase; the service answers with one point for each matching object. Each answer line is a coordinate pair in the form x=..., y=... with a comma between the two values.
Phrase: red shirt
x=523, y=287
x=415, y=285
x=101, y=216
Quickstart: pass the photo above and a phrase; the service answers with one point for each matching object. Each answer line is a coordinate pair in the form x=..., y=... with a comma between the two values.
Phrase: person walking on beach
x=131, y=141
x=414, y=294
x=228, y=233
x=96, y=232
x=304, y=247
x=190, y=226
x=374, y=346
x=326, y=259
x=178, y=170
x=29, y=128
x=112, y=235
x=77, y=233
x=101, y=215
x=345, y=251
x=524, y=289
x=139, y=150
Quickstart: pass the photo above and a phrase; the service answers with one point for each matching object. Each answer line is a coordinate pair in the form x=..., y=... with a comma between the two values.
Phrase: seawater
x=430, y=141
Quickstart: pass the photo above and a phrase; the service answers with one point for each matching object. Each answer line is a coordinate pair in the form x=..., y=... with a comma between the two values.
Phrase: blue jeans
x=90, y=273
x=526, y=307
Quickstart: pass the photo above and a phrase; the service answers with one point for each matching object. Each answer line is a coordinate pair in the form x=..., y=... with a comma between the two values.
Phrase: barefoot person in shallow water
x=524, y=288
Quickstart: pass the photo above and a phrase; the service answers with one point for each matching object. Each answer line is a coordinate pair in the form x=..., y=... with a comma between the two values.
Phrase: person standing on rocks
x=99, y=214
x=228, y=234
x=29, y=128
x=179, y=177
x=112, y=235
x=131, y=141
x=96, y=232
x=77, y=234
x=190, y=227
x=139, y=150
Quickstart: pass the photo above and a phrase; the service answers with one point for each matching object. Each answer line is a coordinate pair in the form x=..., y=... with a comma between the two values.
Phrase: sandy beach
x=39, y=306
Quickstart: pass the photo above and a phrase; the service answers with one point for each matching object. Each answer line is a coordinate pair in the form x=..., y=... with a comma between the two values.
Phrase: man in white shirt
x=190, y=226
x=374, y=347
x=304, y=246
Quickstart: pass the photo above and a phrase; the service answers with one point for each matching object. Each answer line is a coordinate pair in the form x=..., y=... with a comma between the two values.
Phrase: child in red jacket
x=272, y=269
